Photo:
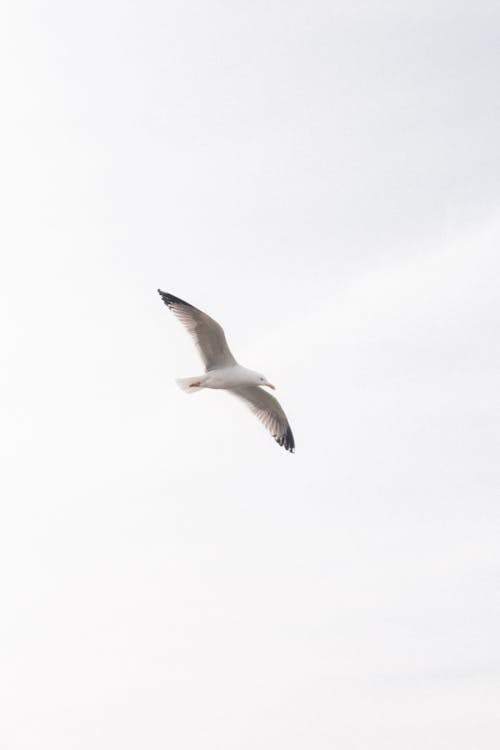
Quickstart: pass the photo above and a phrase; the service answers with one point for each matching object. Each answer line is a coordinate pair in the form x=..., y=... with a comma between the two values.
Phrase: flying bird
x=222, y=371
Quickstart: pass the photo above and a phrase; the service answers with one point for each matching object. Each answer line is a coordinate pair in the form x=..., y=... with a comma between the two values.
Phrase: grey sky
x=323, y=178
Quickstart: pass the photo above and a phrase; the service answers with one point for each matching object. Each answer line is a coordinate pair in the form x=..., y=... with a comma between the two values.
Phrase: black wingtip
x=171, y=299
x=164, y=295
x=287, y=441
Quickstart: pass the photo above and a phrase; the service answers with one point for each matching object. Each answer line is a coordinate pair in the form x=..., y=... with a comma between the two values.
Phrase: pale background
x=324, y=178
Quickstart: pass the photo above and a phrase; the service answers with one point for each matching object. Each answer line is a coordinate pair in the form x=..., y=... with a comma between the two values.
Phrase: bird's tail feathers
x=190, y=385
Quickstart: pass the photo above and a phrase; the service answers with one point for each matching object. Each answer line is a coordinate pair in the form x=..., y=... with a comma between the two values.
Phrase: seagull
x=222, y=371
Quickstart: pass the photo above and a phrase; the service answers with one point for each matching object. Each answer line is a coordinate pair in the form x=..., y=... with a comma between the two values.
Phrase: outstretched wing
x=268, y=410
x=208, y=335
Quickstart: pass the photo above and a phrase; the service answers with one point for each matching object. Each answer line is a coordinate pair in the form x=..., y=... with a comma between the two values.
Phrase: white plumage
x=222, y=371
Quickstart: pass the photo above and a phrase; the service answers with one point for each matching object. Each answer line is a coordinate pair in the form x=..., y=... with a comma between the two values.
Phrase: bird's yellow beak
x=270, y=385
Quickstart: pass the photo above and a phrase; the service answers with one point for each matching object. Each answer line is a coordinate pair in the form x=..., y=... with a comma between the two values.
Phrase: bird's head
x=262, y=380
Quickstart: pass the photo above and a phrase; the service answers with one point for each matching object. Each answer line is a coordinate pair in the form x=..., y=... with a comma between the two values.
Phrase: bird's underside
x=222, y=371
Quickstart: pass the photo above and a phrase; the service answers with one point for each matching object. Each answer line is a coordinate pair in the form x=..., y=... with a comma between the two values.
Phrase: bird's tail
x=190, y=385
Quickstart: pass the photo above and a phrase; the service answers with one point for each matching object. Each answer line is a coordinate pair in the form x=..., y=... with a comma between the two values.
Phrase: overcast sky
x=324, y=179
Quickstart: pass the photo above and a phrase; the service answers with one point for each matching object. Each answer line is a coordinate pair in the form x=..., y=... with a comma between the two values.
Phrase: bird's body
x=223, y=378
x=222, y=371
